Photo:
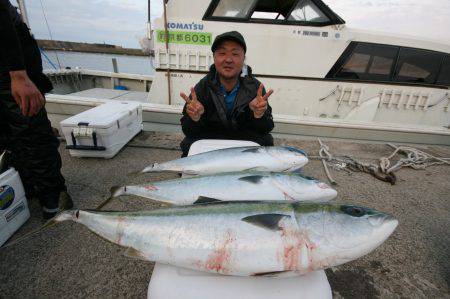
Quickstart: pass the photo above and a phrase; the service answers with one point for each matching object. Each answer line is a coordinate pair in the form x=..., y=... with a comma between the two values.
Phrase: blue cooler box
x=13, y=204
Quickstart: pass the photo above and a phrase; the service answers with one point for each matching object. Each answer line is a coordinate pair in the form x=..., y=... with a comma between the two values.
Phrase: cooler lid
x=103, y=116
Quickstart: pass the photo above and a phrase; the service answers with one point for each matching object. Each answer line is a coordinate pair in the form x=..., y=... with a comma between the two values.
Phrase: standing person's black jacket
x=214, y=124
x=18, y=50
x=30, y=139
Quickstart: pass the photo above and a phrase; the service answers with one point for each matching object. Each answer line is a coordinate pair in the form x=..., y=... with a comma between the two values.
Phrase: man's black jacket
x=214, y=124
x=18, y=49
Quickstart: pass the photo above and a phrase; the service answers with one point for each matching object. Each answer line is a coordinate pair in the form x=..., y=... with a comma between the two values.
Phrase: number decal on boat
x=185, y=37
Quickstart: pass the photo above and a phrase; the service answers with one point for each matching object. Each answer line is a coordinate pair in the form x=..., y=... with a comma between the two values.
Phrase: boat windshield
x=302, y=12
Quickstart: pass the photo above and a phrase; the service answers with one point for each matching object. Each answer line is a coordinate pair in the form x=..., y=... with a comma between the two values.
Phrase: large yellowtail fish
x=244, y=238
x=248, y=158
x=231, y=187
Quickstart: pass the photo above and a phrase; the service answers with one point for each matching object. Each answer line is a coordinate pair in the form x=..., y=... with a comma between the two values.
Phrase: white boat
x=328, y=80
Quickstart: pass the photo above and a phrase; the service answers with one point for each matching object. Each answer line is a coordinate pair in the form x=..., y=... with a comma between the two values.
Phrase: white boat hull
x=166, y=118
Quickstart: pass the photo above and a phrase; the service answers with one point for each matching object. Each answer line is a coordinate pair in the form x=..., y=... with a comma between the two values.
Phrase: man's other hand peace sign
x=194, y=108
x=259, y=104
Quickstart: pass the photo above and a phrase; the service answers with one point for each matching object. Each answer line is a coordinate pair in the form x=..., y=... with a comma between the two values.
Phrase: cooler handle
x=95, y=147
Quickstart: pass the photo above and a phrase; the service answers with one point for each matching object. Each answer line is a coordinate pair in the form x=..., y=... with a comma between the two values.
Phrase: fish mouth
x=385, y=226
x=325, y=191
x=296, y=167
x=383, y=220
x=390, y=224
x=329, y=194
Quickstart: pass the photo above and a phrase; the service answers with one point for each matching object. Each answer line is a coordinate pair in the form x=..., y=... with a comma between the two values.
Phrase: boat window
x=444, y=76
x=356, y=64
x=417, y=66
x=273, y=10
x=369, y=62
x=267, y=15
x=307, y=11
x=233, y=8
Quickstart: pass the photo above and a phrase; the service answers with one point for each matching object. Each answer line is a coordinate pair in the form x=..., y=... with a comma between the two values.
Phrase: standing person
x=228, y=103
x=24, y=127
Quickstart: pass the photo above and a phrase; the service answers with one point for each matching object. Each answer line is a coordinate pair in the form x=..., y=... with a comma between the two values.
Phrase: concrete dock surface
x=68, y=261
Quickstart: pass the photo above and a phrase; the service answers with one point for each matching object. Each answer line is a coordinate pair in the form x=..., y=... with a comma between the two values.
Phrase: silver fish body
x=244, y=238
x=249, y=158
x=233, y=186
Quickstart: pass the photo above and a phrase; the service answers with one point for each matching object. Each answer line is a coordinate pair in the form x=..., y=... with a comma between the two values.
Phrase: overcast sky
x=123, y=22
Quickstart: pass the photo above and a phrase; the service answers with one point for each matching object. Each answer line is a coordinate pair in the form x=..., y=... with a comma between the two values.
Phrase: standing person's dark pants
x=34, y=151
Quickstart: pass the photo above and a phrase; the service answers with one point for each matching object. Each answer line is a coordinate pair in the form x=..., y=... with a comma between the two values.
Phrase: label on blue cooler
x=14, y=212
x=6, y=197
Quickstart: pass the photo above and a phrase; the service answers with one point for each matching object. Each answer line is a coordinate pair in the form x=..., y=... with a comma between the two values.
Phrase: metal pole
x=115, y=67
x=166, y=31
x=149, y=22
x=115, y=80
x=23, y=12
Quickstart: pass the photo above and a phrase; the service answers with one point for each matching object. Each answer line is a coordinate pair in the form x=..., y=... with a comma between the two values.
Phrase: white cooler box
x=13, y=204
x=102, y=131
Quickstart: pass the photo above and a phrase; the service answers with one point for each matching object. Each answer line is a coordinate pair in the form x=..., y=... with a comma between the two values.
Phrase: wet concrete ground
x=68, y=261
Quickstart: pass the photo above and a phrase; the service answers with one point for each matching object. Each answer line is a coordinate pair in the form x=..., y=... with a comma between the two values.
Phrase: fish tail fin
x=114, y=192
x=62, y=216
x=155, y=167
x=118, y=191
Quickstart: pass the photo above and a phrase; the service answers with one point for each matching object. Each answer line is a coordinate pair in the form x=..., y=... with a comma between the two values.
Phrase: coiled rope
x=415, y=159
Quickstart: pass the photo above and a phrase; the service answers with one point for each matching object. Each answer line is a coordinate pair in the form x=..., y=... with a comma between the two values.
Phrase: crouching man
x=228, y=103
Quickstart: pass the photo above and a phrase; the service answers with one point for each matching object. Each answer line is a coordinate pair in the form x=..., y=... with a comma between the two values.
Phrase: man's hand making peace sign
x=194, y=108
x=259, y=104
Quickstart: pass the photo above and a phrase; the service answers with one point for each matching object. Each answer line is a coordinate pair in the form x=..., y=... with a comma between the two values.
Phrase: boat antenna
x=49, y=31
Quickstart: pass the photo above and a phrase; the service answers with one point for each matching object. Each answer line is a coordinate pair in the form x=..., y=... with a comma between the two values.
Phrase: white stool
x=170, y=282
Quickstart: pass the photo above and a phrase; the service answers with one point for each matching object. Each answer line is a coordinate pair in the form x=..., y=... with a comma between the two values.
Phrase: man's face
x=229, y=59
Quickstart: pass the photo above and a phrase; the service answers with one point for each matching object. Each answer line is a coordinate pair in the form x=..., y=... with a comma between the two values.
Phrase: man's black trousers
x=34, y=151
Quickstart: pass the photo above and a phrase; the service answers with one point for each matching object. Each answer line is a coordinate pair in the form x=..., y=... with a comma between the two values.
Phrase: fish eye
x=353, y=211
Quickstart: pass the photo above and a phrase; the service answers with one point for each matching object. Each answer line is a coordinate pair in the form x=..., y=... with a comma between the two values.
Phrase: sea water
x=95, y=61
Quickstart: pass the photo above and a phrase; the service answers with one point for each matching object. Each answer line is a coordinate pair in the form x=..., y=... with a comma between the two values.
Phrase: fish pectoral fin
x=255, y=179
x=267, y=221
x=205, y=199
x=133, y=253
x=273, y=274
